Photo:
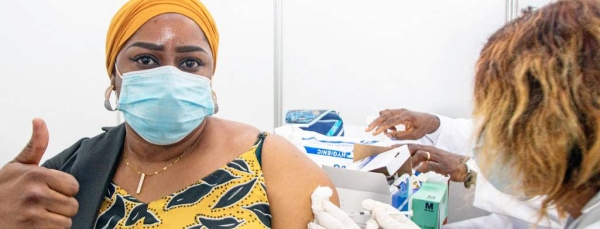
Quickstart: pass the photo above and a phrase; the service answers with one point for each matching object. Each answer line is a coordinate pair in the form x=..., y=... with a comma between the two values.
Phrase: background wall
x=357, y=57
x=360, y=58
x=244, y=77
x=53, y=68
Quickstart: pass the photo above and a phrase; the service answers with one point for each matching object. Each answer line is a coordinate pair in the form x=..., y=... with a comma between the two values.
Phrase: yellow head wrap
x=137, y=12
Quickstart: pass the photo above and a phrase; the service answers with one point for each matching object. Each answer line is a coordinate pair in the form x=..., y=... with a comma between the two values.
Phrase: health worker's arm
x=456, y=136
x=291, y=177
x=453, y=135
x=490, y=199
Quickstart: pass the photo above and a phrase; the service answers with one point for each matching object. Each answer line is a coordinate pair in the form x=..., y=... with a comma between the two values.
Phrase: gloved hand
x=382, y=219
x=326, y=214
x=329, y=216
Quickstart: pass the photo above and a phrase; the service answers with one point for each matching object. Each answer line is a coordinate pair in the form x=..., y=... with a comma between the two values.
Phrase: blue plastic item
x=401, y=197
x=325, y=122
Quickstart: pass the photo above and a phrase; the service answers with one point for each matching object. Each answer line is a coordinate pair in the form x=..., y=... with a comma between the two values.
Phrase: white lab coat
x=455, y=135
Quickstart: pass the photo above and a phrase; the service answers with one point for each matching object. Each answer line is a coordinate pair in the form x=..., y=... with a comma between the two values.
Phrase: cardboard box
x=391, y=161
x=354, y=186
x=430, y=205
x=361, y=151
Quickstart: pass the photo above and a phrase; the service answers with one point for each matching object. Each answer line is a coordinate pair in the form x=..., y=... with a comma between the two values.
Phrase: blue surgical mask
x=163, y=105
x=500, y=177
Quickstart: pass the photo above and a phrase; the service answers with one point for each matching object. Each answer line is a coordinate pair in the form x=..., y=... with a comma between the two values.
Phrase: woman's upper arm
x=291, y=177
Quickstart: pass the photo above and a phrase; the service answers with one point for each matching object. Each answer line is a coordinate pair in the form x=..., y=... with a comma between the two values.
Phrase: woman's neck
x=141, y=150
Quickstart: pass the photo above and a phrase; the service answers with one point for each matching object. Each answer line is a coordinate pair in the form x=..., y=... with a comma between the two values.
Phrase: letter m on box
x=428, y=206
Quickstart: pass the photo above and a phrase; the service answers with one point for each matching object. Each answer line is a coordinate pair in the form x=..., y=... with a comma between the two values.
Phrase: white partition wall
x=523, y=4
x=359, y=57
x=363, y=56
x=354, y=56
x=244, y=77
x=53, y=67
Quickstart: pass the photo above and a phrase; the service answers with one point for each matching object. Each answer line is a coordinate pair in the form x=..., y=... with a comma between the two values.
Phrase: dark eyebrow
x=189, y=49
x=148, y=46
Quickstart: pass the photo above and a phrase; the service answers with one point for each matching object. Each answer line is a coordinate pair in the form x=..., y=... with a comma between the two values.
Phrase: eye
x=145, y=60
x=191, y=63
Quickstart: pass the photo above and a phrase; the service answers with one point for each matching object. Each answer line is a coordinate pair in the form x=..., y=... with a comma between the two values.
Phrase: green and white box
x=430, y=205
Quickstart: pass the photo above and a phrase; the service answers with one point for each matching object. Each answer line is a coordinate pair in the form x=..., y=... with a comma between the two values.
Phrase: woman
x=537, y=86
x=171, y=165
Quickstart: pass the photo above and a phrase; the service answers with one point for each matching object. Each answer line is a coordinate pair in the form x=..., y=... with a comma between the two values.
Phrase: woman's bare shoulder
x=290, y=177
x=233, y=133
x=233, y=126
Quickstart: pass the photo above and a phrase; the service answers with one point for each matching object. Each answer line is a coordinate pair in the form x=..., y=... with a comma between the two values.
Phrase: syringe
x=365, y=212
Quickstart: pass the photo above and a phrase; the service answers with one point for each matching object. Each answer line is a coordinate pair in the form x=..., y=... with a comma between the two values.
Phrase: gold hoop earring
x=214, y=97
x=107, y=94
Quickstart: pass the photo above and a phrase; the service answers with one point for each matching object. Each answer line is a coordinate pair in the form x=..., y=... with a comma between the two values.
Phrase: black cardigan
x=92, y=161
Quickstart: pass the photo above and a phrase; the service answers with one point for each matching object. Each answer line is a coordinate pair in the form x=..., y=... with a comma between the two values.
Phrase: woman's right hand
x=32, y=196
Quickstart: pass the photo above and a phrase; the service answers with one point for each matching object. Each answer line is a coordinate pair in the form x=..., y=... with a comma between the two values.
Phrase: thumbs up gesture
x=32, y=196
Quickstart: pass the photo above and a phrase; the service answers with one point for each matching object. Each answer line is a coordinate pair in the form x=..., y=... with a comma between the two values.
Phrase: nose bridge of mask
x=166, y=69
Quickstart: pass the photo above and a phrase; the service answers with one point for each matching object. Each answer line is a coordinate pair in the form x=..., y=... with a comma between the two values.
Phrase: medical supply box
x=385, y=160
x=430, y=205
x=353, y=186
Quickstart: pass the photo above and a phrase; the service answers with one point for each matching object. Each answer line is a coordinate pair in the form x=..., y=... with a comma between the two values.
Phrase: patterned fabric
x=233, y=196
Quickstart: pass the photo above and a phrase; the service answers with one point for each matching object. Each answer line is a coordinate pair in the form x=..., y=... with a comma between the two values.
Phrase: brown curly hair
x=537, y=93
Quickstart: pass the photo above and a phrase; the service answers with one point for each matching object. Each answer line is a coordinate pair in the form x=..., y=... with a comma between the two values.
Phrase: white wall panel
x=353, y=56
x=523, y=4
x=244, y=77
x=53, y=67
x=359, y=56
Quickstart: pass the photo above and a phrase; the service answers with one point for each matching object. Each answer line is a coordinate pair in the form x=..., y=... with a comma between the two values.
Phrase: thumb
x=372, y=224
x=404, y=135
x=35, y=148
x=385, y=220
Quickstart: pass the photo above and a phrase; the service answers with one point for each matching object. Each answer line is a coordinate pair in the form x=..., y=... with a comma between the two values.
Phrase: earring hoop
x=107, y=94
x=214, y=97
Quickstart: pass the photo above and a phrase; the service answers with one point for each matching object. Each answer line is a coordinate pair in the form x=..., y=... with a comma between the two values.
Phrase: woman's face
x=167, y=39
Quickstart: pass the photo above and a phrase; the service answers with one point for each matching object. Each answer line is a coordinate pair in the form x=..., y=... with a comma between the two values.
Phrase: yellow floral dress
x=233, y=196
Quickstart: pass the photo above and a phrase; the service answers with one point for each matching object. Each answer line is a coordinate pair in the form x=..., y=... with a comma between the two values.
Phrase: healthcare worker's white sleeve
x=455, y=135
x=490, y=199
x=595, y=225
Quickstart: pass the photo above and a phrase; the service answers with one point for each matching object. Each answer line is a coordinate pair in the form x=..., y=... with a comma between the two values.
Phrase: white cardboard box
x=353, y=186
x=388, y=162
